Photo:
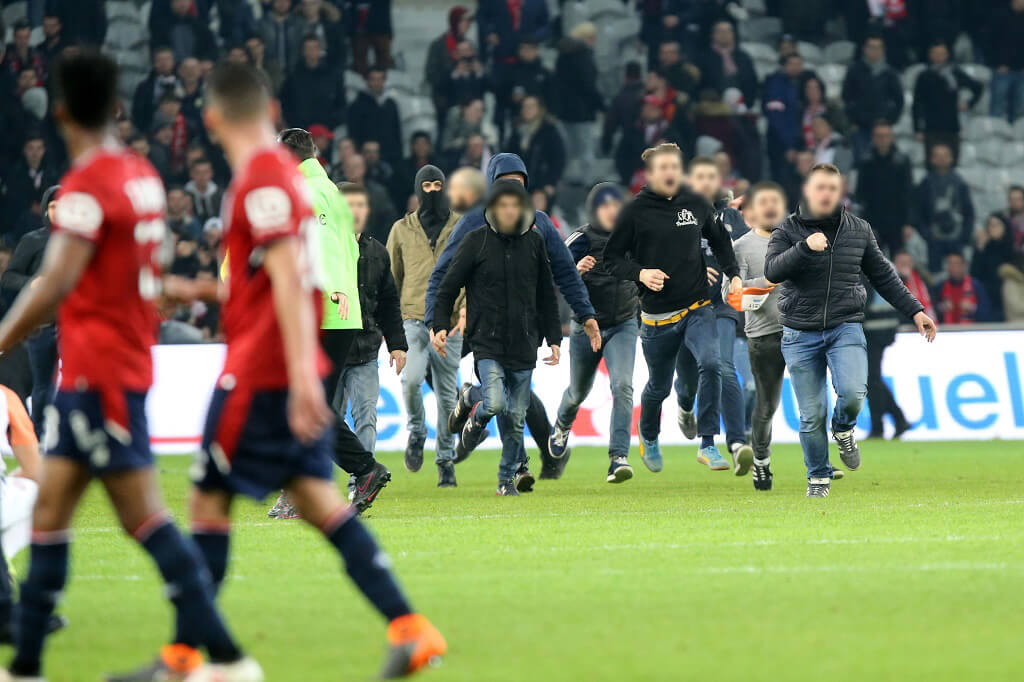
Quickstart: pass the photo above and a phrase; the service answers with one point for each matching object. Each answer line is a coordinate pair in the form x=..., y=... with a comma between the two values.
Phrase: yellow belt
x=675, y=318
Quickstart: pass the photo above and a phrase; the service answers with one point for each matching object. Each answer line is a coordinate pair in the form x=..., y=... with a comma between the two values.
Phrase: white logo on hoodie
x=685, y=218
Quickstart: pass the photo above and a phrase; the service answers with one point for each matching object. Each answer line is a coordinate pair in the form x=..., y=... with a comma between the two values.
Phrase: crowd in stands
x=917, y=102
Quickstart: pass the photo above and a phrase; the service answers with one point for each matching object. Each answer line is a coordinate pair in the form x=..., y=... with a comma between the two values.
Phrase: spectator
x=421, y=153
x=944, y=212
x=382, y=211
x=731, y=179
x=884, y=186
x=313, y=92
x=503, y=23
x=726, y=66
x=681, y=74
x=648, y=130
x=206, y=195
x=125, y=130
x=84, y=21
x=937, y=101
x=236, y=20
x=538, y=143
x=907, y=269
x=476, y=154
x=782, y=104
x=960, y=298
x=24, y=185
x=816, y=105
x=282, y=35
x=579, y=100
x=375, y=117
x=462, y=122
x=158, y=148
x=994, y=249
x=322, y=137
x=661, y=21
x=170, y=110
x=829, y=146
x=872, y=91
x=20, y=55
x=187, y=34
x=370, y=28
x=180, y=220
x=1014, y=215
x=528, y=76
x=270, y=69
x=625, y=107
x=53, y=39
x=323, y=20
x=441, y=60
x=466, y=80
x=380, y=171
x=148, y=93
x=1012, y=275
x=1008, y=58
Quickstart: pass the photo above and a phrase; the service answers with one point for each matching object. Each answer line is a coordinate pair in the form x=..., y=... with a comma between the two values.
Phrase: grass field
x=911, y=570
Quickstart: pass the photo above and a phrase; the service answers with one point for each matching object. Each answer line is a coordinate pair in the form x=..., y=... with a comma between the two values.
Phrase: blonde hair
x=583, y=31
x=664, y=148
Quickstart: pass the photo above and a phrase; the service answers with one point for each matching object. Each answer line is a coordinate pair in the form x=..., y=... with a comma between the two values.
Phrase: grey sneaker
x=688, y=423
x=849, y=451
x=818, y=487
x=446, y=475
x=414, y=453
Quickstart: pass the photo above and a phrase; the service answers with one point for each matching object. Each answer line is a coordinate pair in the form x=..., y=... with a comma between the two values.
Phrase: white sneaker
x=243, y=670
x=8, y=677
x=742, y=458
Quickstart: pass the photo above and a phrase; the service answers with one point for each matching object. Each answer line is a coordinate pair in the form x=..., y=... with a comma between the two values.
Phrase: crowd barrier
x=968, y=385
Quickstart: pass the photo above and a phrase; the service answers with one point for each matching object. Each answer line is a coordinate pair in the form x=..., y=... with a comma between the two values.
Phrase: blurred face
x=668, y=54
x=125, y=129
x=311, y=9
x=904, y=264
x=255, y=48
x=882, y=138
x=163, y=62
x=654, y=83
x=346, y=148
x=804, y=162
x=140, y=146
x=938, y=54
x=507, y=211
x=355, y=168
x=1017, y=5
x=724, y=163
x=607, y=212
x=360, y=208
x=421, y=147
x=723, y=36
x=170, y=108
x=941, y=158
x=375, y=82
x=996, y=228
x=34, y=151
x=821, y=129
x=201, y=174
x=51, y=27
x=465, y=50
x=531, y=109
x=311, y=52
x=768, y=208
x=651, y=112
x=26, y=79
x=238, y=55
x=465, y=23
x=812, y=91
x=181, y=7
x=874, y=50
x=475, y=147
x=794, y=66
x=177, y=202
x=705, y=180
x=461, y=194
x=474, y=112
x=164, y=135
x=665, y=173
x=282, y=7
x=955, y=266
x=22, y=37
x=371, y=152
x=1016, y=201
x=528, y=52
x=189, y=69
x=822, y=192
x=539, y=199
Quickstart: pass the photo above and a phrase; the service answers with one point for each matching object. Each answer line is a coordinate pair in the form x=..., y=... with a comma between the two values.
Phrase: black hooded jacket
x=378, y=300
x=658, y=232
x=615, y=300
x=434, y=209
x=823, y=289
x=510, y=294
x=28, y=254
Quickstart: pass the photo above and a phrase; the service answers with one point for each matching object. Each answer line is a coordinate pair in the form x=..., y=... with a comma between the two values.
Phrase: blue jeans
x=741, y=358
x=359, y=385
x=444, y=374
x=506, y=393
x=1008, y=95
x=731, y=404
x=697, y=334
x=618, y=347
x=42, y=361
x=843, y=351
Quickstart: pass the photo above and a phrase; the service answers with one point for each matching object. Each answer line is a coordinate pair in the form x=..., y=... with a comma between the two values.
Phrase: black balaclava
x=434, y=209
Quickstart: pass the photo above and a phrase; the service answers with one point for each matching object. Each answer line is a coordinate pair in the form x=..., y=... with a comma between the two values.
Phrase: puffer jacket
x=822, y=289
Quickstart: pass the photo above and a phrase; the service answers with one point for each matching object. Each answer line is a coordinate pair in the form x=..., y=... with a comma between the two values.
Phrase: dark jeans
x=42, y=359
x=768, y=366
x=880, y=399
x=697, y=334
x=348, y=452
x=732, y=404
x=536, y=420
x=506, y=393
x=809, y=353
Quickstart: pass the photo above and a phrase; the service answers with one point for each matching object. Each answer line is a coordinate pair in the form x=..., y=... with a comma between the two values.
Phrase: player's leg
x=444, y=371
x=732, y=404
x=701, y=338
x=516, y=385
x=583, y=362
x=661, y=346
x=491, y=403
x=848, y=362
x=417, y=359
x=363, y=390
x=63, y=482
x=687, y=377
x=414, y=641
x=620, y=357
x=804, y=352
x=540, y=428
x=768, y=367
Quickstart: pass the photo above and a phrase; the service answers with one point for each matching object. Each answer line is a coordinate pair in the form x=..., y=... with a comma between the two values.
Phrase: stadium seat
x=403, y=82
x=125, y=36
x=602, y=10
x=119, y=10
x=128, y=60
x=14, y=11
x=1012, y=154
x=37, y=36
x=757, y=8
x=978, y=72
x=414, y=106
x=811, y=53
x=1000, y=179
x=761, y=52
x=840, y=51
x=987, y=127
x=918, y=173
x=144, y=10
x=968, y=154
x=990, y=152
x=910, y=75
x=915, y=152
x=761, y=29
x=833, y=75
x=1018, y=129
x=974, y=176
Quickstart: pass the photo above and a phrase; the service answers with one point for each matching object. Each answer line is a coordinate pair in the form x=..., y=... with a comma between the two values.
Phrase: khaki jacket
x=412, y=261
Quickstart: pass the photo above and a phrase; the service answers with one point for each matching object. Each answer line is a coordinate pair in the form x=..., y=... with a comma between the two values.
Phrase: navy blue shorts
x=105, y=431
x=249, y=449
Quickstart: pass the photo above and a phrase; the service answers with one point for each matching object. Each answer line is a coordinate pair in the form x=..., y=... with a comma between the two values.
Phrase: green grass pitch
x=911, y=570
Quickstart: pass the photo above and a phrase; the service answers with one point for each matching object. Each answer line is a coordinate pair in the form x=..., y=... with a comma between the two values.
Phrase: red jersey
x=268, y=199
x=114, y=199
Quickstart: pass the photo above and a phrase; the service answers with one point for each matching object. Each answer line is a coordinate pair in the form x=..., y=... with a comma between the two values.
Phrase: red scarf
x=956, y=295
x=179, y=143
x=918, y=288
x=515, y=9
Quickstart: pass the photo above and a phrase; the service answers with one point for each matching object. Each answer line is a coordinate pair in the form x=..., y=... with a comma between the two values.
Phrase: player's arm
x=308, y=414
x=22, y=438
x=721, y=246
x=64, y=261
x=184, y=290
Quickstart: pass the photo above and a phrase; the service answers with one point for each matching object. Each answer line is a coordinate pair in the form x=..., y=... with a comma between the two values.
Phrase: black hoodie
x=664, y=233
x=510, y=294
x=434, y=209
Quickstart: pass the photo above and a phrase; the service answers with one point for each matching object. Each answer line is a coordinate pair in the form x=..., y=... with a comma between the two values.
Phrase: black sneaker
x=507, y=489
x=552, y=470
x=458, y=416
x=762, y=475
x=461, y=453
x=849, y=452
x=54, y=623
x=524, y=480
x=414, y=453
x=901, y=428
x=619, y=470
x=369, y=485
x=446, y=475
x=472, y=433
x=818, y=487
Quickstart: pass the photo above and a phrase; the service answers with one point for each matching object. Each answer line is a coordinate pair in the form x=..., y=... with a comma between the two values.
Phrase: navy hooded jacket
x=563, y=268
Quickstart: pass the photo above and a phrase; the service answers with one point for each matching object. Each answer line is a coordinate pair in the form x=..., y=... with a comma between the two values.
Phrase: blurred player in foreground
x=269, y=426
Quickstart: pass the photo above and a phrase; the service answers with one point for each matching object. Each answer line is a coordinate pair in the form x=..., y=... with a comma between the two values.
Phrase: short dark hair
x=881, y=123
x=299, y=142
x=85, y=85
x=763, y=186
x=203, y=161
x=701, y=161
x=784, y=59
x=829, y=168
x=419, y=134
x=348, y=188
x=238, y=90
